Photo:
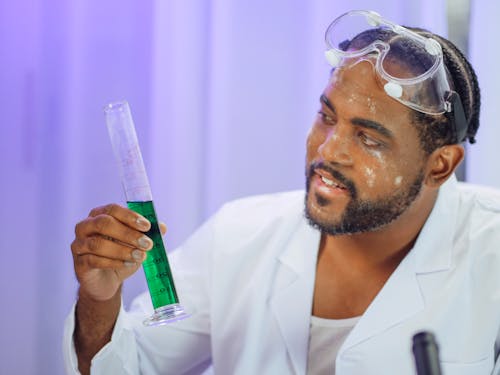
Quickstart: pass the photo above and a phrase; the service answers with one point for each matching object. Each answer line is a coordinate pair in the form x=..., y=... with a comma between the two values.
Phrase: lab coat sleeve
x=178, y=348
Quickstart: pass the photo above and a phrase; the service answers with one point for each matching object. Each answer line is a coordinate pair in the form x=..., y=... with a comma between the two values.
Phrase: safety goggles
x=410, y=66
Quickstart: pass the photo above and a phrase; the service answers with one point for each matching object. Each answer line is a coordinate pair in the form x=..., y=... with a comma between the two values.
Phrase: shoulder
x=484, y=198
x=480, y=206
x=258, y=220
x=253, y=213
x=249, y=217
x=480, y=227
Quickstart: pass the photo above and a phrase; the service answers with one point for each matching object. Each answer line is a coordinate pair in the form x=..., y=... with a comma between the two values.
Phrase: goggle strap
x=457, y=115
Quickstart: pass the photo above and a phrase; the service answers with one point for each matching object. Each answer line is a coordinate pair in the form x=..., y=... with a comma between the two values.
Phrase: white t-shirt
x=325, y=340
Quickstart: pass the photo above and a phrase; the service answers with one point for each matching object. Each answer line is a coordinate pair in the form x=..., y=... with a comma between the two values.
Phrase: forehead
x=356, y=91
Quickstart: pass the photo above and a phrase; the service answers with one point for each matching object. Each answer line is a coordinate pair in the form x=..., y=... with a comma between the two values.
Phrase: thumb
x=163, y=228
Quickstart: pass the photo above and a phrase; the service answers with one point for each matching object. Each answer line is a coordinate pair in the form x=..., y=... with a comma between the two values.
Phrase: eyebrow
x=365, y=123
x=323, y=99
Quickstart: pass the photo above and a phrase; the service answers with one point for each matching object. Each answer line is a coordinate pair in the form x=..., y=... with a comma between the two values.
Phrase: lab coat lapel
x=399, y=299
x=401, y=296
x=291, y=299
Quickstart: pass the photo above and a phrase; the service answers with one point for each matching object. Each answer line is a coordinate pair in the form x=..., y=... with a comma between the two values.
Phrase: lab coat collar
x=398, y=300
x=291, y=299
x=401, y=296
x=433, y=248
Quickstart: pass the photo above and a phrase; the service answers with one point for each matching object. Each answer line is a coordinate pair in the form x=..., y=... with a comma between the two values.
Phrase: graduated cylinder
x=139, y=199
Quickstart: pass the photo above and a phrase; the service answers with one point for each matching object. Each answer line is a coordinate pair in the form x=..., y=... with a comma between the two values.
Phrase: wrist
x=94, y=322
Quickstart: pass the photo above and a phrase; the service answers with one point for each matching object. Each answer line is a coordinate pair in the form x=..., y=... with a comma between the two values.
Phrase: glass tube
x=139, y=199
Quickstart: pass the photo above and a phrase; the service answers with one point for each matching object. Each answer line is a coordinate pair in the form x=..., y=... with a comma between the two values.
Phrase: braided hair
x=434, y=130
x=463, y=80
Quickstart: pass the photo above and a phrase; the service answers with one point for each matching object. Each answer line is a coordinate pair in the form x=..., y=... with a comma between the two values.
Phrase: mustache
x=349, y=184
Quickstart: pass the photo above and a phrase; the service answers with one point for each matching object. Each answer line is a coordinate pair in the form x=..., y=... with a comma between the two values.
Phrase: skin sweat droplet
x=370, y=176
x=378, y=155
x=398, y=180
x=371, y=105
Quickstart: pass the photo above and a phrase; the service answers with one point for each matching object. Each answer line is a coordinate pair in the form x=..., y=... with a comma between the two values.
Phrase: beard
x=360, y=215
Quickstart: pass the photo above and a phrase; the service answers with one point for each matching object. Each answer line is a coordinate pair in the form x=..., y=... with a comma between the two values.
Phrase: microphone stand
x=426, y=354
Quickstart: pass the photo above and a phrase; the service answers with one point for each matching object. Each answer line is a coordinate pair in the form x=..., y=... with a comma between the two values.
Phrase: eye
x=369, y=141
x=326, y=119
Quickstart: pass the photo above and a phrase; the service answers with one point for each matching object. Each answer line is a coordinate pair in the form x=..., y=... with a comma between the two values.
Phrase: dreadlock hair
x=434, y=130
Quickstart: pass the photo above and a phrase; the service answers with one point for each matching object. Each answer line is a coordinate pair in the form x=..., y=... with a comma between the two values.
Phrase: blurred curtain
x=222, y=93
x=483, y=55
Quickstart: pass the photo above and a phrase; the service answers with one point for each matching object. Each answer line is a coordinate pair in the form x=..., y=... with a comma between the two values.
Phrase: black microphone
x=426, y=354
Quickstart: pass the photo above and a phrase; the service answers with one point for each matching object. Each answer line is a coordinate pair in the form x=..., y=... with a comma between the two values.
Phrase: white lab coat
x=247, y=276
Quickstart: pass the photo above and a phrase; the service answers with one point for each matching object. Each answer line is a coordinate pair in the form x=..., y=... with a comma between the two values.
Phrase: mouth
x=329, y=180
x=329, y=183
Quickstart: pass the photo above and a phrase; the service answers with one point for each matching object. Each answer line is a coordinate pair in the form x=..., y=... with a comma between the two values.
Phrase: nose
x=336, y=148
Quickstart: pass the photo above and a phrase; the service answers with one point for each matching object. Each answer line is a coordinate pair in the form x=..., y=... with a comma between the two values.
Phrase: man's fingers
x=108, y=226
x=106, y=248
x=122, y=214
x=97, y=262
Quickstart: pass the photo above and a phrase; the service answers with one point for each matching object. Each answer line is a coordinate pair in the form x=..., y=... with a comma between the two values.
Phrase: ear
x=442, y=163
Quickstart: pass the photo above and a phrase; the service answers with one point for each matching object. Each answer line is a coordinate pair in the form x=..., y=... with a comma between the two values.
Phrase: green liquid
x=156, y=267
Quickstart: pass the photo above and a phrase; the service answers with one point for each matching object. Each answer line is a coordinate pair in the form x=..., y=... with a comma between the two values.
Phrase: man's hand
x=109, y=246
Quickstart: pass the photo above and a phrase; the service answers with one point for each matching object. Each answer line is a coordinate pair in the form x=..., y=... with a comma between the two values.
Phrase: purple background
x=222, y=93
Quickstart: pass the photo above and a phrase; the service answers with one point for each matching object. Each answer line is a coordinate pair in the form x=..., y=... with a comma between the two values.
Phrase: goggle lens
x=410, y=65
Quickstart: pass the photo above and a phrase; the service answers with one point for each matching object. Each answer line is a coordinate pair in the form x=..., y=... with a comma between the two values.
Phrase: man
x=390, y=244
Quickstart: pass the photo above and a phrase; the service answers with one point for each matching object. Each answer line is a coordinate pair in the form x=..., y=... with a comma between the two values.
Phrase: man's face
x=364, y=162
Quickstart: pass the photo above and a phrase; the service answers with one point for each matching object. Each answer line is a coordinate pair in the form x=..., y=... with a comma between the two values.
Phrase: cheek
x=375, y=177
x=370, y=177
x=382, y=174
x=376, y=172
x=378, y=157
